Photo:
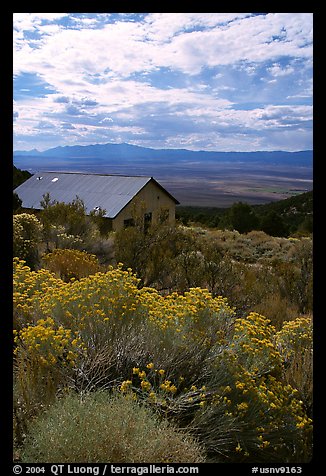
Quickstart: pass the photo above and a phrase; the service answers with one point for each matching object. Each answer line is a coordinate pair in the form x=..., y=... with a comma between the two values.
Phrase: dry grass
x=299, y=374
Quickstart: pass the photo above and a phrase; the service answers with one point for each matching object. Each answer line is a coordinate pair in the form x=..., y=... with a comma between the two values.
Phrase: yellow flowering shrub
x=46, y=345
x=253, y=343
x=196, y=314
x=114, y=294
x=99, y=298
x=164, y=394
x=185, y=355
x=45, y=359
x=254, y=413
x=69, y=263
x=27, y=230
x=294, y=337
x=295, y=344
x=277, y=405
x=28, y=288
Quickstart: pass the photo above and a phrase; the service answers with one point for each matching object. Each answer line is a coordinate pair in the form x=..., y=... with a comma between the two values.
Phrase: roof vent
x=39, y=178
x=55, y=179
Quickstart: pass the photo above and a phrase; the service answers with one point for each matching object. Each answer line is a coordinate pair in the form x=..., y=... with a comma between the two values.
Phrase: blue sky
x=199, y=81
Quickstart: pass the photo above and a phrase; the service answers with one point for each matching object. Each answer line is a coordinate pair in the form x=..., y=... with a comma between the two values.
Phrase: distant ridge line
x=128, y=153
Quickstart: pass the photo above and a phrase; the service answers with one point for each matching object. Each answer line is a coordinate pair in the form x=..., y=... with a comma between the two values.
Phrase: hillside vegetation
x=183, y=344
x=20, y=176
x=293, y=215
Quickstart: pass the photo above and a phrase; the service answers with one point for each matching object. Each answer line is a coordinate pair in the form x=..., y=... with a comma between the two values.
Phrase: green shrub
x=99, y=427
x=17, y=202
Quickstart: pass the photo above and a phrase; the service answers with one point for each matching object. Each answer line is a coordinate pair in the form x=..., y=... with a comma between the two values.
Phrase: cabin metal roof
x=110, y=192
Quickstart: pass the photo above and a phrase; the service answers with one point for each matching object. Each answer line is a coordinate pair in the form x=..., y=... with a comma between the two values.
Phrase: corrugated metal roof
x=110, y=192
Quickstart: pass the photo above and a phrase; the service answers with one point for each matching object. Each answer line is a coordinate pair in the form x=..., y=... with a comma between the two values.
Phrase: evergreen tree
x=242, y=218
x=273, y=224
x=17, y=203
x=20, y=176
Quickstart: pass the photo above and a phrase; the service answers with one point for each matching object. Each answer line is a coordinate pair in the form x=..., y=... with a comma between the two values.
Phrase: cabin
x=118, y=195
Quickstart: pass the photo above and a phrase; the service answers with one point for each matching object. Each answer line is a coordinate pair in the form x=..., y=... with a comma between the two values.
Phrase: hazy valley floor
x=216, y=184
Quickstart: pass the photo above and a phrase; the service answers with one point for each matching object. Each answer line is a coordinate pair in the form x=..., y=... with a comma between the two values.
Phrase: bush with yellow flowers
x=237, y=416
x=195, y=315
x=295, y=337
x=69, y=263
x=46, y=345
x=27, y=231
x=260, y=420
x=164, y=392
x=187, y=356
x=295, y=344
x=45, y=356
x=29, y=287
x=113, y=292
x=99, y=309
x=253, y=342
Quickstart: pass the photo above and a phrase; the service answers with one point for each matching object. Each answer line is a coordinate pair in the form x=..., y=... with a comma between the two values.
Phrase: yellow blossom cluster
x=47, y=345
x=295, y=336
x=157, y=387
x=263, y=405
x=167, y=386
x=191, y=313
x=253, y=342
x=112, y=295
x=273, y=403
x=29, y=287
x=101, y=297
x=125, y=386
x=280, y=401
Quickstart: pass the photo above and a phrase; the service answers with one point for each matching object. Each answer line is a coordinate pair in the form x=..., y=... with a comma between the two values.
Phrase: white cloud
x=246, y=40
x=277, y=70
x=129, y=47
x=97, y=70
x=33, y=21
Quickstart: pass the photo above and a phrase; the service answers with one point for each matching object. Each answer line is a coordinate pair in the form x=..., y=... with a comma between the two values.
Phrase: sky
x=197, y=81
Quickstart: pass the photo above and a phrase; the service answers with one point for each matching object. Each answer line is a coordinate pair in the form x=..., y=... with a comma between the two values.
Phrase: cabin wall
x=155, y=200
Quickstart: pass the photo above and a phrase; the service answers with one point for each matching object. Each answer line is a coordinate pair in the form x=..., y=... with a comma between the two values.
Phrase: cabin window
x=148, y=217
x=147, y=220
x=164, y=214
x=128, y=222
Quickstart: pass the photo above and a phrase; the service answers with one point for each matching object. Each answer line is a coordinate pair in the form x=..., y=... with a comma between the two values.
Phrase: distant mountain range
x=115, y=153
x=193, y=177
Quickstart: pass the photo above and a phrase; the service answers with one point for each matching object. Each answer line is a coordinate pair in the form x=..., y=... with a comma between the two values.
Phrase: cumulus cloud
x=277, y=70
x=165, y=40
x=225, y=72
